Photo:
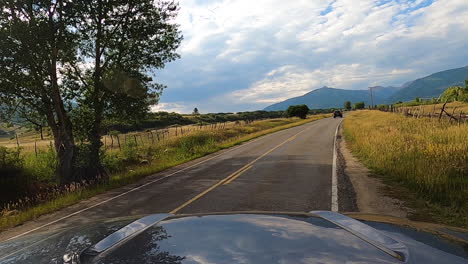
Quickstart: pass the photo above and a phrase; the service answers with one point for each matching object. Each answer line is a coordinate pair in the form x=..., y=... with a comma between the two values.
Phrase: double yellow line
x=235, y=174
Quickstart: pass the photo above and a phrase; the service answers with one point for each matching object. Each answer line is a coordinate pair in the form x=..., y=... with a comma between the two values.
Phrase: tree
x=35, y=43
x=455, y=93
x=359, y=105
x=78, y=62
x=298, y=111
x=347, y=105
x=195, y=111
x=126, y=41
x=32, y=118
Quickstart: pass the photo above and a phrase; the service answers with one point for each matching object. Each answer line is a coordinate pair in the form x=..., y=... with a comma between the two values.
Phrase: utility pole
x=371, y=97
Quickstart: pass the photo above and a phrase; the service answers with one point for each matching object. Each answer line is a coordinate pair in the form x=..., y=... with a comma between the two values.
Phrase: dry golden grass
x=427, y=156
x=457, y=107
x=30, y=140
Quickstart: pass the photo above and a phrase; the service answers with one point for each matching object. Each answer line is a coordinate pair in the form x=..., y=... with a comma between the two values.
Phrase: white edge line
x=138, y=187
x=334, y=195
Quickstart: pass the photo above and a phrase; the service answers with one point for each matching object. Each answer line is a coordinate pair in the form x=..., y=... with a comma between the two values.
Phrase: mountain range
x=426, y=87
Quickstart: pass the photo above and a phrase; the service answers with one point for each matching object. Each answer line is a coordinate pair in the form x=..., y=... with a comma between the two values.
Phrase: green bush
x=41, y=167
x=193, y=144
x=456, y=93
x=10, y=160
x=359, y=105
x=113, y=162
x=130, y=153
x=13, y=181
x=300, y=111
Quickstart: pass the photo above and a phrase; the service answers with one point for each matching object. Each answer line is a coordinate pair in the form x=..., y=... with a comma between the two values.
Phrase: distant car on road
x=337, y=113
x=243, y=237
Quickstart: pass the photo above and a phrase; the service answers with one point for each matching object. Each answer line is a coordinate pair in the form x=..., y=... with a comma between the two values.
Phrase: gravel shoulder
x=359, y=191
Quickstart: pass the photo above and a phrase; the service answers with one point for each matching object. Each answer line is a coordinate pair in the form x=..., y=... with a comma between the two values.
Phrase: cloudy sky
x=240, y=55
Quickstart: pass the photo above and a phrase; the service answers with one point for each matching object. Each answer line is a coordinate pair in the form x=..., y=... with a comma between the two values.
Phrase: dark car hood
x=234, y=238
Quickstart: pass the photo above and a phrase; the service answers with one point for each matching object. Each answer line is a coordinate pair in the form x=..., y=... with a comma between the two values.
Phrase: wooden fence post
x=118, y=142
x=442, y=111
x=17, y=141
x=35, y=147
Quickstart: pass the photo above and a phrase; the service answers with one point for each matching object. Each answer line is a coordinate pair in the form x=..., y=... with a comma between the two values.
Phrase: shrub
x=347, y=105
x=42, y=167
x=13, y=181
x=130, y=153
x=359, y=105
x=298, y=111
x=113, y=162
x=455, y=93
x=192, y=144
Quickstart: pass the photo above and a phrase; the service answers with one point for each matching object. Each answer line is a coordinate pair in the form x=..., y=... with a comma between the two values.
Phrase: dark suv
x=337, y=113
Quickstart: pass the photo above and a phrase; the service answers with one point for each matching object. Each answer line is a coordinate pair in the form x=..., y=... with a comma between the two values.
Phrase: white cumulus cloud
x=253, y=53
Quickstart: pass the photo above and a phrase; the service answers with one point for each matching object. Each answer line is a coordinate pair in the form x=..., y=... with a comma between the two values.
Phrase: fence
x=117, y=141
x=451, y=116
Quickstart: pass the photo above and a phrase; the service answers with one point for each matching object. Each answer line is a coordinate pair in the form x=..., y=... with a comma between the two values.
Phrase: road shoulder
x=359, y=191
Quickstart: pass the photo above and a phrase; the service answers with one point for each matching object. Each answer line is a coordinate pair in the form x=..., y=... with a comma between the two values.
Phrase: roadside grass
x=125, y=167
x=426, y=157
x=453, y=106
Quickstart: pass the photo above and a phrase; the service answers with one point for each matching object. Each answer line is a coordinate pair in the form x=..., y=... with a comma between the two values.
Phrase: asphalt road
x=290, y=170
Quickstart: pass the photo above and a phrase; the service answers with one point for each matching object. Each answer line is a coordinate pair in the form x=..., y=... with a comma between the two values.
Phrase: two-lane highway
x=290, y=170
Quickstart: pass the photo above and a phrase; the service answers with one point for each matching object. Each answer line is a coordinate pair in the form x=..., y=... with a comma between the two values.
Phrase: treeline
x=160, y=120
x=164, y=119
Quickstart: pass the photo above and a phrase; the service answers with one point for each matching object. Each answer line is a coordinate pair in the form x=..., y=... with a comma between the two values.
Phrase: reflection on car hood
x=234, y=238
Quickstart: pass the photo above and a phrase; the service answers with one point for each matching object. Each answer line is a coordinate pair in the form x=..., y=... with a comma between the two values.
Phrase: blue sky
x=240, y=55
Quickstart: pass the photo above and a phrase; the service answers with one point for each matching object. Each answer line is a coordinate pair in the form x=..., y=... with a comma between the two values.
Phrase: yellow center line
x=236, y=174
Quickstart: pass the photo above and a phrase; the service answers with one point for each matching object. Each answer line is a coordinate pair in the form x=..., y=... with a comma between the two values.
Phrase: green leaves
x=298, y=111
x=359, y=105
x=85, y=59
x=455, y=93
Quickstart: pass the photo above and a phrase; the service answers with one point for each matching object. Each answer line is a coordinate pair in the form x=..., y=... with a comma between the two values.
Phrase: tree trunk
x=96, y=170
x=66, y=153
x=65, y=148
x=42, y=132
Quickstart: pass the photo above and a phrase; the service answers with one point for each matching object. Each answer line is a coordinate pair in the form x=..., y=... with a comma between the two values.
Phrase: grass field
x=435, y=108
x=125, y=164
x=428, y=157
x=29, y=141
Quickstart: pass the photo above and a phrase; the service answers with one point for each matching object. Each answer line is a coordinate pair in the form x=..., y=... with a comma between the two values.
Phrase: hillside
x=327, y=97
x=426, y=87
x=430, y=86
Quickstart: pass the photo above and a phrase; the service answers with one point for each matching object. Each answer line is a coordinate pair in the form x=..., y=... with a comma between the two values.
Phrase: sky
x=243, y=55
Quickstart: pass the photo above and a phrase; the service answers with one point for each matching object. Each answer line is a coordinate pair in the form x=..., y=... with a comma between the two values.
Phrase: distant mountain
x=429, y=86
x=327, y=97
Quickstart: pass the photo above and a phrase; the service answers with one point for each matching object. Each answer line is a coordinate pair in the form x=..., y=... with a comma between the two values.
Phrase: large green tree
x=78, y=62
x=35, y=43
x=347, y=105
x=121, y=44
x=298, y=111
x=359, y=105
